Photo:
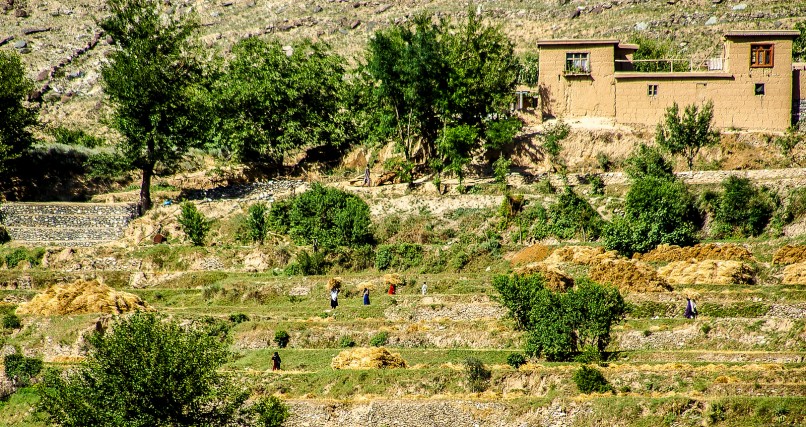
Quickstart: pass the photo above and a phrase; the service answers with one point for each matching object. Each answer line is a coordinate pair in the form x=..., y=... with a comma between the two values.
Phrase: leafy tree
x=478, y=376
x=146, y=371
x=553, y=136
x=324, y=215
x=529, y=70
x=153, y=81
x=648, y=161
x=17, y=118
x=688, y=133
x=257, y=222
x=573, y=216
x=799, y=44
x=269, y=101
x=656, y=51
x=656, y=210
x=742, y=209
x=518, y=293
x=441, y=90
x=194, y=224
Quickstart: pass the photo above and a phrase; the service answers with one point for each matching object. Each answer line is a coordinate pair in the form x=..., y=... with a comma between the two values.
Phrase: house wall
x=575, y=96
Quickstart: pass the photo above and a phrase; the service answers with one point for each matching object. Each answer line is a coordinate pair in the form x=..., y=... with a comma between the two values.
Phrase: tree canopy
x=686, y=134
x=17, y=118
x=152, y=80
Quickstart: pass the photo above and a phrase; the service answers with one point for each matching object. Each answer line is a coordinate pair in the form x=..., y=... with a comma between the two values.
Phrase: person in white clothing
x=424, y=288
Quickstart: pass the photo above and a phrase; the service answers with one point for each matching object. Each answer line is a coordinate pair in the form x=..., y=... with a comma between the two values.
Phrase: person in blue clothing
x=366, y=296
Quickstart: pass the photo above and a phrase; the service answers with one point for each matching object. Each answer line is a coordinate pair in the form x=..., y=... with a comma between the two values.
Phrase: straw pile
x=789, y=255
x=534, y=253
x=393, y=279
x=334, y=283
x=367, y=358
x=584, y=255
x=82, y=297
x=629, y=275
x=795, y=274
x=708, y=272
x=556, y=279
x=726, y=252
x=365, y=285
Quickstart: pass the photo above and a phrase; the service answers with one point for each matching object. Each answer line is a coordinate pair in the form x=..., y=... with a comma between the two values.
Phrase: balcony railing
x=670, y=65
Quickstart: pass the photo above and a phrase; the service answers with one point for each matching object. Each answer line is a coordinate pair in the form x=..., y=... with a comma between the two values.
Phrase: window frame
x=756, y=50
x=652, y=90
x=585, y=70
x=756, y=86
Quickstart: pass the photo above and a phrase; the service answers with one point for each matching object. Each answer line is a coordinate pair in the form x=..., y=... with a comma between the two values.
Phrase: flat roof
x=763, y=33
x=560, y=42
x=675, y=75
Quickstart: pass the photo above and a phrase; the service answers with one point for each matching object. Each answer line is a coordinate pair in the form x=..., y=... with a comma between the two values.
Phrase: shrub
x=194, y=224
x=519, y=293
x=4, y=236
x=107, y=165
x=328, y=216
x=380, y=339
x=237, y=318
x=597, y=185
x=33, y=256
x=516, y=360
x=281, y=338
x=11, y=321
x=604, y=161
x=501, y=169
x=21, y=369
x=591, y=380
x=553, y=135
x=257, y=224
x=686, y=133
x=270, y=412
x=309, y=264
x=400, y=256
x=742, y=208
x=572, y=216
x=478, y=376
x=346, y=341
x=656, y=210
x=648, y=161
x=67, y=136
x=795, y=206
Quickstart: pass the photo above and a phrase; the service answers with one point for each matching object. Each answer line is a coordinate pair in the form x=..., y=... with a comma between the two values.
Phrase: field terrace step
x=66, y=224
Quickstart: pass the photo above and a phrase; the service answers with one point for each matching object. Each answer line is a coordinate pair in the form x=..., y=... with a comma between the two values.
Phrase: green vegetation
x=685, y=134
x=648, y=162
x=478, y=376
x=18, y=119
x=380, y=339
x=742, y=209
x=17, y=255
x=194, y=224
x=591, y=380
x=68, y=136
x=655, y=56
x=516, y=360
x=257, y=223
x=401, y=256
x=20, y=369
x=553, y=136
x=281, y=338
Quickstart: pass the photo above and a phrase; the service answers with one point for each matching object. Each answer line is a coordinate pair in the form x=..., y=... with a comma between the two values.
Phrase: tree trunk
x=145, y=189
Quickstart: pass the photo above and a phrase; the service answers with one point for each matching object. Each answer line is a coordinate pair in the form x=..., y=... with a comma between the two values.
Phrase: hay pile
x=82, y=297
x=789, y=255
x=726, y=252
x=367, y=358
x=795, y=274
x=534, y=253
x=628, y=275
x=556, y=279
x=334, y=283
x=708, y=272
x=584, y=255
x=393, y=279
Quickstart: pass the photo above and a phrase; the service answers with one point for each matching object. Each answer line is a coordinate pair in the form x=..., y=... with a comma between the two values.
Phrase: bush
x=648, y=161
x=501, y=169
x=399, y=257
x=237, y=318
x=742, y=209
x=656, y=210
x=346, y=341
x=21, y=369
x=572, y=216
x=107, y=165
x=281, y=338
x=328, y=216
x=478, y=376
x=591, y=380
x=11, y=321
x=194, y=224
x=795, y=206
x=33, y=256
x=257, y=225
x=270, y=412
x=604, y=161
x=597, y=185
x=309, y=264
x=516, y=360
x=380, y=339
x=67, y=136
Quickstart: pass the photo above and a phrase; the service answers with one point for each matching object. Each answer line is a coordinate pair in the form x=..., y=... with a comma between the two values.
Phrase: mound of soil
x=795, y=274
x=726, y=252
x=708, y=272
x=367, y=358
x=789, y=254
x=584, y=255
x=556, y=279
x=534, y=253
x=82, y=297
x=628, y=275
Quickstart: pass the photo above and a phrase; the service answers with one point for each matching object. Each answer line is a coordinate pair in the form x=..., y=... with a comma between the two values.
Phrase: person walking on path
x=367, y=179
x=694, y=312
x=334, y=298
x=424, y=288
x=366, y=296
x=691, y=309
x=275, y=362
x=392, y=289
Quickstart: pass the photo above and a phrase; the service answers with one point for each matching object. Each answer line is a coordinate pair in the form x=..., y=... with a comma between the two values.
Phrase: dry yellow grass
x=334, y=283
x=628, y=275
x=556, y=279
x=795, y=274
x=708, y=272
x=583, y=255
x=82, y=297
x=534, y=253
x=367, y=358
x=393, y=279
x=726, y=252
x=789, y=254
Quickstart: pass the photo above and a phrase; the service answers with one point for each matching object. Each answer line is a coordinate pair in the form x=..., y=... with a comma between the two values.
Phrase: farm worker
x=366, y=296
x=367, y=180
x=689, y=309
x=694, y=309
x=392, y=289
x=275, y=362
x=424, y=288
x=334, y=298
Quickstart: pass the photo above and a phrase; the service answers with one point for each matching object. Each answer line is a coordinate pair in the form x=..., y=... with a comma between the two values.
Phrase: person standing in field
x=334, y=298
x=366, y=296
x=275, y=362
x=424, y=288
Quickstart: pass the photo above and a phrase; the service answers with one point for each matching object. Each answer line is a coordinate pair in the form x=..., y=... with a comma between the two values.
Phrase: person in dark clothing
x=275, y=362
x=334, y=298
x=689, y=309
x=366, y=296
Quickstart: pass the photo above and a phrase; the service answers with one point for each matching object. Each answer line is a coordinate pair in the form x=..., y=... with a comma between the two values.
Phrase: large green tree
x=688, y=132
x=16, y=119
x=269, y=100
x=152, y=80
x=148, y=371
x=441, y=90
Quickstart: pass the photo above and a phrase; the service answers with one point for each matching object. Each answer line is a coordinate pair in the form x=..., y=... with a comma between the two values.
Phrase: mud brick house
x=754, y=84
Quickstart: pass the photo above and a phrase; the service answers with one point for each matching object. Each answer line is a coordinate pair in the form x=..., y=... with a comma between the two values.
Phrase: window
x=577, y=63
x=652, y=90
x=760, y=55
x=759, y=90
